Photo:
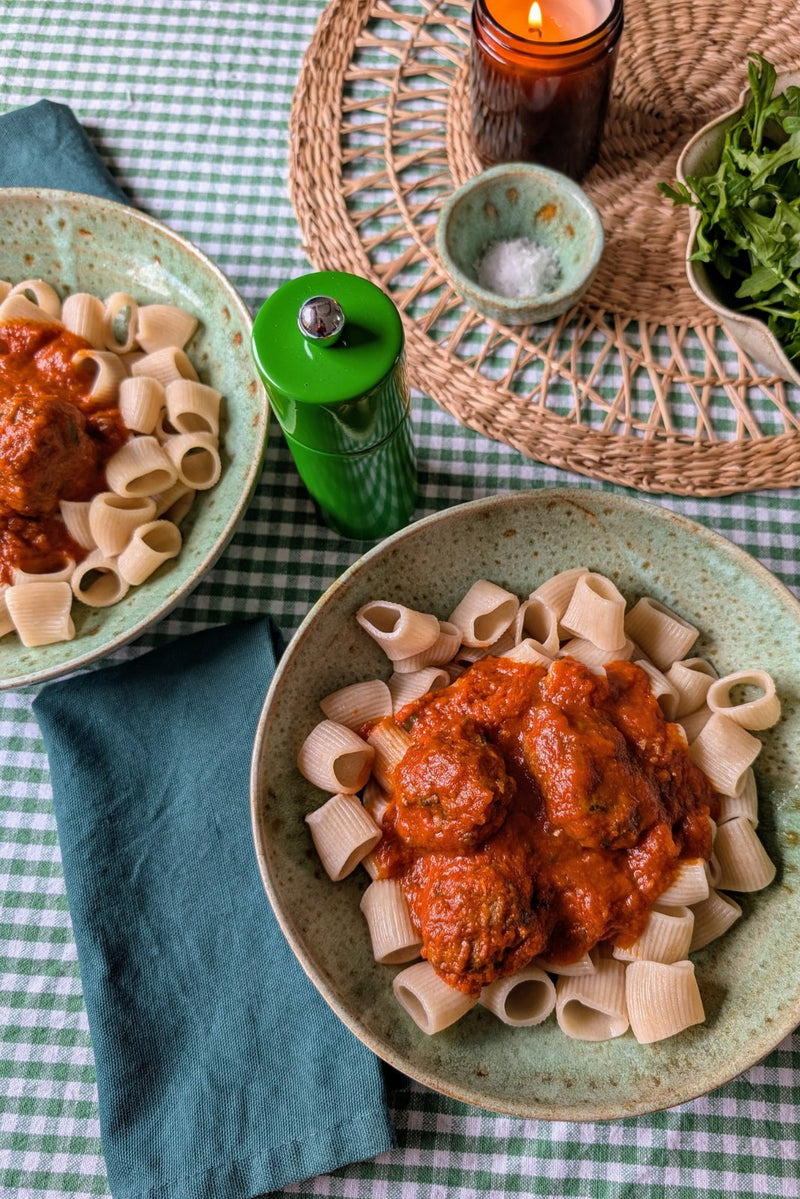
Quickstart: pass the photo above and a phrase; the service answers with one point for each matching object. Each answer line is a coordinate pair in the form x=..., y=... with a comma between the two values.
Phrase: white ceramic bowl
x=78, y=243
x=701, y=156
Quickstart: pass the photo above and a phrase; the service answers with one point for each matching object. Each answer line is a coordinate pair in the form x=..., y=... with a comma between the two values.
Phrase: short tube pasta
x=139, y=468
x=591, y=1007
x=120, y=316
x=141, y=401
x=521, y=1000
x=17, y=307
x=97, y=582
x=538, y=621
x=662, y=999
x=165, y=364
x=484, y=613
x=343, y=833
x=359, y=704
x=195, y=458
x=405, y=687
x=713, y=917
x=557, y=591
x=109, y=373
x=596, y=612
x=151, y=545
x=430, y=1002
x=691, y=678
x=82, y=314
x=75, y=515
x=62, y=573
x=193, y=407
x=592, y=655
x=757, y=714
x=40, y=612
x=401, y=632
x=389, y=744
x=666, y=937
x=528, y=650
x=44, y=295
x=724, y=751
x=113, y=518
x=394, y=938
x=662, y=634
x=744, y=863
x=159, y=326
x=440, y=651
x=689, y=886
x=744, y=804
x=334, y=758
x=665, y=692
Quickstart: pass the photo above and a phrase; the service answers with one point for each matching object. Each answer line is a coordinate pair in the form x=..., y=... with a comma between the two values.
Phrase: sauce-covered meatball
x=43, y=447
x=452, y=791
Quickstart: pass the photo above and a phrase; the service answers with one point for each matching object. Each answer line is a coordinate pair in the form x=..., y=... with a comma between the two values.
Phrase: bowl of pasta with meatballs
x=525, y=797
x=132, y=426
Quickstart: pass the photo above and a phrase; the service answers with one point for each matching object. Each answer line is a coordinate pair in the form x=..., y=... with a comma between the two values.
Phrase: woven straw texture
x=638, y=384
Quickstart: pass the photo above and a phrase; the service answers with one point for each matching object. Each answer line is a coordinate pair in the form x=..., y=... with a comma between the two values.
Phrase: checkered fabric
x=188, y=102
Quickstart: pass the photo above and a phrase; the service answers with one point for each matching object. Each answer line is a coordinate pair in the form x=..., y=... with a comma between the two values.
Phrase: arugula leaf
x=749, y=228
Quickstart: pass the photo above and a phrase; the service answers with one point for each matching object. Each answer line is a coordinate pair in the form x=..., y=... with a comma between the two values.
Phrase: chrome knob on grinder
x=321, y=319
x=330, y=349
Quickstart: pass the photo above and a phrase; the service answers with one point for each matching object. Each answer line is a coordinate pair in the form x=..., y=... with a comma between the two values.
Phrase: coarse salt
x=516, y=267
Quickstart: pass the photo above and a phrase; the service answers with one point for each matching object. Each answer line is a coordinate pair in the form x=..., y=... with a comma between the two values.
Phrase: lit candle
x=540, y=75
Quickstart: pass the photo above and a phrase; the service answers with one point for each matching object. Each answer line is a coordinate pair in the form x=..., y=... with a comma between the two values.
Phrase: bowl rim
x=252, y=471
x=731, y=315
x=373, y=1040
x=562, y=183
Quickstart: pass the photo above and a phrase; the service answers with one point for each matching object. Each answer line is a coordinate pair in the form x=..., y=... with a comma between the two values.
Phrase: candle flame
x=535, y=18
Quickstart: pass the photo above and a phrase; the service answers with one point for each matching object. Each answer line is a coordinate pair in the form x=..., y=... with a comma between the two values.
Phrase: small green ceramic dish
x=700, y=156
x=82, y=243
x=749, y=979
x=520, y=200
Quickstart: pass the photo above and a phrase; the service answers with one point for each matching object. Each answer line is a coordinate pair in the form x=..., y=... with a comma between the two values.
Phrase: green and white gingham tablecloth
x=189, y=102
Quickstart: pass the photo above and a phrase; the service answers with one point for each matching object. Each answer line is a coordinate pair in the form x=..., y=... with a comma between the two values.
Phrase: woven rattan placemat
x=637, y=385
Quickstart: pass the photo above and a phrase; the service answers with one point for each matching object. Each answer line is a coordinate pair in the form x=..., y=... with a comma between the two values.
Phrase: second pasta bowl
x=536, y=1071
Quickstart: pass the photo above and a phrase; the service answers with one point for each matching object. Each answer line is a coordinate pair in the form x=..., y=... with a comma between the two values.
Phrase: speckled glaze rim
x=75, y=655
x=704, y=1080
x=739, y=323
x=555, y=301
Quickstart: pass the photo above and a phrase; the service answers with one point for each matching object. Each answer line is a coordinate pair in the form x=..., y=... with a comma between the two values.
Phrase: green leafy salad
x=749, y=228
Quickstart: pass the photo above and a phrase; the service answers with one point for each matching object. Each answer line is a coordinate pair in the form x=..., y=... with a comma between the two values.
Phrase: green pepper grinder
x=329, y=347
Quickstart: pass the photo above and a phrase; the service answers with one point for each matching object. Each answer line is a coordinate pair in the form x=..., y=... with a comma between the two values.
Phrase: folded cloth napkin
x=43, y=145
x=221, y=1072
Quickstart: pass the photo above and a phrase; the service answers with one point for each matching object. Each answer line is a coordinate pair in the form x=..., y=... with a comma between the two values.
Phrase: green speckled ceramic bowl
x=749, y=980
x=82, y=243
x=513, y=201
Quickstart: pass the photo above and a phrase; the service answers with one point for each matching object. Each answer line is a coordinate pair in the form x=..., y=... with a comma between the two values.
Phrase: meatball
x=43, y=442
x=592, y=786
x=478, y=919
x=452, y=791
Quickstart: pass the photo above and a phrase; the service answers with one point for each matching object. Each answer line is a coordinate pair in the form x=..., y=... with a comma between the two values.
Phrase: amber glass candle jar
x=540, y=77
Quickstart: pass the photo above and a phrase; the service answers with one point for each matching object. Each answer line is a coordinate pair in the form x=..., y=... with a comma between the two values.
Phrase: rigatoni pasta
x=448, y=792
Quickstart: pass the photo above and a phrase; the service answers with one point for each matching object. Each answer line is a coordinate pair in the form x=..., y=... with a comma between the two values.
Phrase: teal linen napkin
x=221, y=1072
x=43, y=145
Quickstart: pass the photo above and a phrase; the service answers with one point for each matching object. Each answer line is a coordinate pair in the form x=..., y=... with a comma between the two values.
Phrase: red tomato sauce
x=54, y=442
x=537, y=813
